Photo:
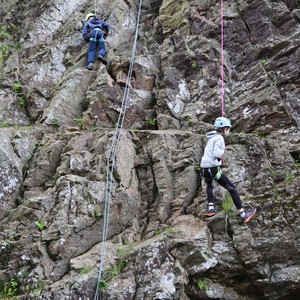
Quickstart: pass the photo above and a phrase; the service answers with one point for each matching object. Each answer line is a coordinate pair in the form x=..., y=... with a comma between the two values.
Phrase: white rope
x=111, y=157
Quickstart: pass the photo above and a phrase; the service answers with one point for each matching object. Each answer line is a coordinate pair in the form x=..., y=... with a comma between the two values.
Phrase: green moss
x=7, y=44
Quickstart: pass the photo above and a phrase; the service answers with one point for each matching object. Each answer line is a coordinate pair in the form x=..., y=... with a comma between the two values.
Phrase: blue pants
x=96, y=39
x=210, y=175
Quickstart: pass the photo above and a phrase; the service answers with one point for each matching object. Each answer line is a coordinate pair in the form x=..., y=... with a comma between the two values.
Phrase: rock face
x=59, y=122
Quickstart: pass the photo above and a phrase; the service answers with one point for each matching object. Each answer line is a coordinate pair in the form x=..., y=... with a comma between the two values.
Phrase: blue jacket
x=92, y=24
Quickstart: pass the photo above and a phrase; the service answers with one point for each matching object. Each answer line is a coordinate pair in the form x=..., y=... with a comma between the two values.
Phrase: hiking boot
x=209, y=213
x=249, y=214
x=90, y=66
x=104, y=61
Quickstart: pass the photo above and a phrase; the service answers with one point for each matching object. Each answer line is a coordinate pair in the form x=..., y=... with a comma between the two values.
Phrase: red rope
x=222, y=58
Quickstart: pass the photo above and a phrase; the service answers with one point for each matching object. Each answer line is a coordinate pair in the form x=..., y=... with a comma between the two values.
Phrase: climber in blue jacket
x=94, y=31
x=211, y=170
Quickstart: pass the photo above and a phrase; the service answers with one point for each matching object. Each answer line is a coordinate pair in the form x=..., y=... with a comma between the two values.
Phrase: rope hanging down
x=95, y=7
x=222, y=58
x=111, y=158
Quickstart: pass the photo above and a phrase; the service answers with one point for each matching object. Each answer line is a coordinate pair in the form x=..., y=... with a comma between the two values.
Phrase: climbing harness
x=111, y=158
x=218, y=175
x=215, y=177
x=222, y=58
x=95, y=38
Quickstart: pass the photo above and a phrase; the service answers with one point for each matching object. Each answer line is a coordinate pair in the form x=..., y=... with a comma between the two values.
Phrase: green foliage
x=98, y=214
x=202, y=284
x=54, y=122
x=264, y=61
x=152, y=122
x=6, y=244
x=79, y=122
x=40, y=225
x=288, y=176
x=9, y=289
x=4, y=124
x=17, y=88
x=7, y=33
x=195, y=65
x=189, y=119
x=85, y=270
x=261, y=135
x=273, y=173
x=197, y=167
x=37, y=288
x=124, y=249
x=112, y=273
x=168, y=230
x=227, y=205
x=22, y=101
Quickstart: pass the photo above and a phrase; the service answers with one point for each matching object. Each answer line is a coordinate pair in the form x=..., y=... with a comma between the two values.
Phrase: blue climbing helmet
x=221, y=122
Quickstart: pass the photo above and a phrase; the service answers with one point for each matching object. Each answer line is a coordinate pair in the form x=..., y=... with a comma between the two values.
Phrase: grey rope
x=95, y=7
x=111, y=158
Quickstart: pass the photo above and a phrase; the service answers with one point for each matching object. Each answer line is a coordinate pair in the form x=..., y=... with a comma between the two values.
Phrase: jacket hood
x=94, y=21
x=211, y=134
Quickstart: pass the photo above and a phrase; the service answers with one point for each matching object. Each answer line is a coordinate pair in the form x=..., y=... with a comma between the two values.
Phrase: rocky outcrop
x=58, y=122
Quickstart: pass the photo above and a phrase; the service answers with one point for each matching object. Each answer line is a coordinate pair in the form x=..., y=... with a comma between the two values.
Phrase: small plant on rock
x=7, y=44
x=195, y=65
x=85, y=270
x=202, y=284
x=4, y=124
x=18, y=90
x=54, y=122
x=288, y=176
x=227, y=205
x=98, y=214
x=152, y=122
x=37, y=288
x=79, y=122
x=169, y=230
x=111, y=274
x=40, y=225
x=9, y=289
x=124, y=249
x=6, y=244
x=264, y=61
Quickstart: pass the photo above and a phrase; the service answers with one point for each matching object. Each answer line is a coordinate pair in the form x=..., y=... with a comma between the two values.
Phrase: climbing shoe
x=210, y=212
x=104, y=61
x=90, y=66
x=248, y=215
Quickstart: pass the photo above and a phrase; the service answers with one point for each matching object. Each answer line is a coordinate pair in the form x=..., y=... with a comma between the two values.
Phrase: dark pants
x=96, y=39
x=216, y=174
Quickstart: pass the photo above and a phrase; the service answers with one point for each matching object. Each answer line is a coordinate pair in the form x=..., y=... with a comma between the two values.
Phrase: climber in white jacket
x=211, y=170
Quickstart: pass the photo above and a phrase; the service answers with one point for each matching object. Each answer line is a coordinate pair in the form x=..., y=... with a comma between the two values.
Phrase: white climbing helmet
x=89, y=15
x=221, y=122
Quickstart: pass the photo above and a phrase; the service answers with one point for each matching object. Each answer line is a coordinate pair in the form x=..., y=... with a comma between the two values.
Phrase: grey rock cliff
x=57, y=124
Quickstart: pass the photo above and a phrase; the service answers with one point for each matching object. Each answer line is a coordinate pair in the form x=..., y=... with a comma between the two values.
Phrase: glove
x=86, y=37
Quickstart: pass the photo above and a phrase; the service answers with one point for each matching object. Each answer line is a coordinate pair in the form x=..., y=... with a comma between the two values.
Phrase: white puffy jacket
x=214, y=150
